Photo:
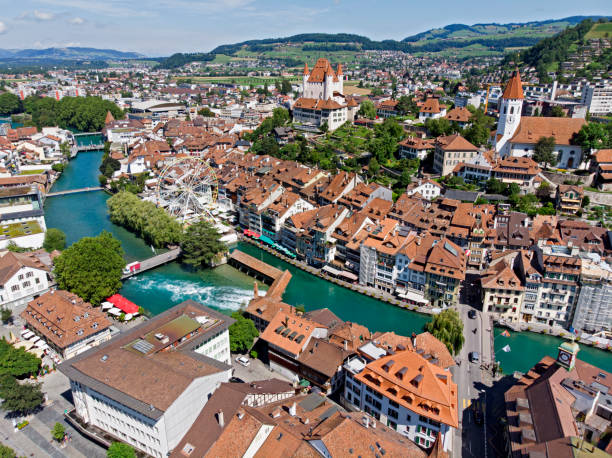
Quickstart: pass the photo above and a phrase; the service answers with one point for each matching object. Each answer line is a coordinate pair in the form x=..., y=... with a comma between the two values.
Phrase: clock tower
x=510, y=108
x=567, y=355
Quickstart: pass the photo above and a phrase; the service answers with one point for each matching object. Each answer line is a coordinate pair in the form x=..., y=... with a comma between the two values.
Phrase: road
x=471, y=439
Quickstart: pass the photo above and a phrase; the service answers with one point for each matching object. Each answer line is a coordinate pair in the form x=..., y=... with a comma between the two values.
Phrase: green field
x=603, y=30
x=31, y=172
x=241, y=80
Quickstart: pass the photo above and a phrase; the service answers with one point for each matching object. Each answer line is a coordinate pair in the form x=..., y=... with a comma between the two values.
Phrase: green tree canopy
x=120, y=450
x=594, y=135
x=557, y=112
x=55, y=239
x=448, y=328
x=544, y=151
x=495, y=186
x=7, y=452
x=22, y=398
x=201, y=244
x=242, y=333
x=9, y=104
x=373, y=167
x=407, y=106
x=58, y=431
x=367, y=109
x=91, y=267
x=17, y=362
x=206, y=112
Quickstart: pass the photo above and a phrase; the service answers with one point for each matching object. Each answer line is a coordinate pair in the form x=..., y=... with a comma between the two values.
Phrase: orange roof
x=410, y=380
x=531, y=129
x=321, y=71
x=455, y=143
x=289, y=332
x=431, y=106
x=306, y=69
x=514, y=88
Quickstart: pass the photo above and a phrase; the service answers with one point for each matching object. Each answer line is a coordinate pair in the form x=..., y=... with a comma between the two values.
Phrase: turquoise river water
x=226, y=289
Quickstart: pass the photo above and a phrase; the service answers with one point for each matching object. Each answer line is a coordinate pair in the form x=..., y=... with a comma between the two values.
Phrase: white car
x=243, y=360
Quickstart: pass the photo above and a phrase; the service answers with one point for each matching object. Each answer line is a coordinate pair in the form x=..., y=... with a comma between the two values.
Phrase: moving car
x=474, y=356
x=472, y=314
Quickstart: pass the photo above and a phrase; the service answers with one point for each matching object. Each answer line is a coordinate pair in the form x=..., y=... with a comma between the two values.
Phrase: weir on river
x=226, y=289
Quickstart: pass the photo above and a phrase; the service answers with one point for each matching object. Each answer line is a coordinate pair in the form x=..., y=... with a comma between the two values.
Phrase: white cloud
x=42, y=15
x=76, y=20
x=2, y=28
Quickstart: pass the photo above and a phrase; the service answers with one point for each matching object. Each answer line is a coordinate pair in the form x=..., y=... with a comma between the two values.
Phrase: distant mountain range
x=67, y=54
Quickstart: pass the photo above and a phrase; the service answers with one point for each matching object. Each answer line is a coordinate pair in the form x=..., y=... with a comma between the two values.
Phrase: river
x=226, y=289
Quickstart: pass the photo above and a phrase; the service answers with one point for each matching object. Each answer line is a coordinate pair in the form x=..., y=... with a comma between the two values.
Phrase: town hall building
x=323, y=101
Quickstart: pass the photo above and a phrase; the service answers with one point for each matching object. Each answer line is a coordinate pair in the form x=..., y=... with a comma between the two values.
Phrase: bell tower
x=510, y=107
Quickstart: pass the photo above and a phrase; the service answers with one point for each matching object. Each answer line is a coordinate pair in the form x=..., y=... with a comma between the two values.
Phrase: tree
x=513, y=189
x=201, y=244
x=367, y=109
x=17, y=362
x=437, y=127
x=102, y=180
x=7, y=315
x=557, y=112
x=448, y=328
x=324, y=127
x=120, y=450
x=55, y=239
x=495, y=186
x=242, y=333
x=91, y=268
x=58, y=167
x=65, y=149
x=22, y=398
x=592, y=136
x=543, y=191
x=586, y=201
x=373, y=167
x=544, y=152
x=58, y=431
x=406, y=105
x=9, y=104
x=7, y=452
x=206, y=112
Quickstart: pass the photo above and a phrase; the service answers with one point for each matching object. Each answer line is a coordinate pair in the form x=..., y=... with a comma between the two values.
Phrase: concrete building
x=598, y=98
x=451, y=150
x=147, y=386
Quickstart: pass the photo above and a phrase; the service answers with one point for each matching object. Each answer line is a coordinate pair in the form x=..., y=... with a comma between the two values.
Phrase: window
x=26, y=284
x=20, y=277
x=393, y=413
x=29, y=274
x=15, y=288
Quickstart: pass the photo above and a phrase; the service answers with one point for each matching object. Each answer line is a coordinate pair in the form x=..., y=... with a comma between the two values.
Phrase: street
x=471, y=438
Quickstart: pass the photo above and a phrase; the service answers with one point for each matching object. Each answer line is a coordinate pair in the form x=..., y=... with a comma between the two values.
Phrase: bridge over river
x=74, y=191
x=153, y=262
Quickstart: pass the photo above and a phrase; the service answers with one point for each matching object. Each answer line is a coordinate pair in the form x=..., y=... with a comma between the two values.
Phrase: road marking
x=469, y=402
x=464, y=403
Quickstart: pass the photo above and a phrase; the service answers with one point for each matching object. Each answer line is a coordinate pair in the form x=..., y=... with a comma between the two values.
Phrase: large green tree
x=201, y=244
x=22, y=398
x=448, y=328
x=6, y=452
x=367, y=109
x=9, y=104
x=242, y=333
x=91, y=267
x=407, y=106
x=544, y=151
x=120, y=450
x=55, y=239
x=17, y=362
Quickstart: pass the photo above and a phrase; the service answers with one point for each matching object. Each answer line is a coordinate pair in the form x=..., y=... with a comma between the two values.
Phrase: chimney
x=293, y=409
x=220, y=418
x=255, y=290
x=345, y=345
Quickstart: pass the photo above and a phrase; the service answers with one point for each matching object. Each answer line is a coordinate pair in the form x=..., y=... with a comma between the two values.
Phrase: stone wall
x=560, y=178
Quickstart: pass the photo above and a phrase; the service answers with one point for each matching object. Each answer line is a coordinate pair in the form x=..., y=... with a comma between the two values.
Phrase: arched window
x=511, y=110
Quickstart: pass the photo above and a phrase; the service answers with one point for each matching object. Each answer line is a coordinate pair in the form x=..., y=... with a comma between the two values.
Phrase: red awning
x=122, y=303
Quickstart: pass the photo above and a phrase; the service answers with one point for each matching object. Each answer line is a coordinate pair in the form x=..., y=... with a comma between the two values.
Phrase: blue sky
x=161, y=27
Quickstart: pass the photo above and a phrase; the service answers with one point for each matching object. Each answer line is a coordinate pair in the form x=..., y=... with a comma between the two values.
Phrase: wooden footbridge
x=74, y=191
x=151, y=263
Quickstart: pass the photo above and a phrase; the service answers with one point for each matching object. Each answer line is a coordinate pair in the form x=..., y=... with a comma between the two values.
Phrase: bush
x=59, y=167
x=254, y=354
x=55, y=239
x=7, y=315
x=58, y=432
x=120, y=450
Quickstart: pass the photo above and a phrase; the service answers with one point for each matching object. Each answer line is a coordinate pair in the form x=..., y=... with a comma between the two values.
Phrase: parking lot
x=256, y=370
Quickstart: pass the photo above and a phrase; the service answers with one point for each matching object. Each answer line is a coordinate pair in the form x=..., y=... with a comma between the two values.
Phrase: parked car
x=474, y=356
x=472, y=314
x=236, y=380
x=243, y=360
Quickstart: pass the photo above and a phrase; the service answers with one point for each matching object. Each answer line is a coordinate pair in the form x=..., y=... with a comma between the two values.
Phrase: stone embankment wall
x=561, y=178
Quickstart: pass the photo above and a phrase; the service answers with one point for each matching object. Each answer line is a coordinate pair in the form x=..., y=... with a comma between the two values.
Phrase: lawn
x=31, y=172
x=19, y=229
x=603, y=30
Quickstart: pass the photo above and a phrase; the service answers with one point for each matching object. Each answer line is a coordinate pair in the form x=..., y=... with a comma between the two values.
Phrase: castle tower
x=305, y=79
x=328, y=91
x=510, y=107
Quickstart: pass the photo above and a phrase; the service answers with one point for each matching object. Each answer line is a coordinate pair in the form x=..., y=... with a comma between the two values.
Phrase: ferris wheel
x=187, y=189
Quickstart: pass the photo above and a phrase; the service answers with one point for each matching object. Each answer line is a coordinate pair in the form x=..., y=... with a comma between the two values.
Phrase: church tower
x=510, y=107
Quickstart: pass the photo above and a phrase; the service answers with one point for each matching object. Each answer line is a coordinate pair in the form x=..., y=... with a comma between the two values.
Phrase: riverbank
x=225, y=289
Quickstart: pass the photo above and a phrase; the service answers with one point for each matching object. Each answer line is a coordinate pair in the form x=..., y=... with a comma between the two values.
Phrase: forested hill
x=549, y=53
x=69, y=53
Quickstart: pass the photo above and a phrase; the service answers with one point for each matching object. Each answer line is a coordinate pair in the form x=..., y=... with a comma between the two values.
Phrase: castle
x=323, y=101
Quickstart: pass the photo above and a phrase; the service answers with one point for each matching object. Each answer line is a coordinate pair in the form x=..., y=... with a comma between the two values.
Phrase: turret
x=305, y=77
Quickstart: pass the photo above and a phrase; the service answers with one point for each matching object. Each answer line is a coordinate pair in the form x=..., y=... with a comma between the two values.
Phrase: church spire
x=514, y=88
x=306, y=72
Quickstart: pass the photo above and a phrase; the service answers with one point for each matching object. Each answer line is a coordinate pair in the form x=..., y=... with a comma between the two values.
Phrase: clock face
x=564, y=357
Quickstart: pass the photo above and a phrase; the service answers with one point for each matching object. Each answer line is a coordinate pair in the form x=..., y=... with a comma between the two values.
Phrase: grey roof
x=25, y=214
x=456, y=194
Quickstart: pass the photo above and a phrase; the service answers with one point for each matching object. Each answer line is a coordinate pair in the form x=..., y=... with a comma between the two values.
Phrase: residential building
x=450, y=150
x=463, y=99
x=428, y=189
x=557, y=405
x=460, y=115
x=568, y=198
x=478, y=169
x=407, y=393
x=22, y=278
x=431, y=109
x=22, y=220
x=597, y=98
x=67, y=323
x=593, y=311
x=520, y=170
x=148, y=385
x=501, y=289
x=415, y=148
x=387, y=109
x=445, y=270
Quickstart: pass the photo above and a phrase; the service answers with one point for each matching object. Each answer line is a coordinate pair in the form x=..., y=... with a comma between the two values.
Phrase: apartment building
x=593, y=311
x=445, y=270
x=407, y=393
x=597, y=98
x=502, y=290
x=568, y=198
x=22, y=278
x=377, y=255
x=147, y=386
x=451, y=150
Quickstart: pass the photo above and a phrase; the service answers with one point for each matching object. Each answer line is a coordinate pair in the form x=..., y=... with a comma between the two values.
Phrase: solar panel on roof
x=143, y=346
x=299, y=338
